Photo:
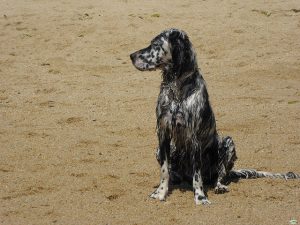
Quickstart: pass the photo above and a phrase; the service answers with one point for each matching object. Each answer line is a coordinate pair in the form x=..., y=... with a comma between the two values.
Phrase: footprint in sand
x=45, y=91
x=87, y=143
x=49, y=104
x=85, y=16
x=32, y=190
x=140, y=174
x=71, y=120
x=78, y=174
x=53, y=71
x=113, y=197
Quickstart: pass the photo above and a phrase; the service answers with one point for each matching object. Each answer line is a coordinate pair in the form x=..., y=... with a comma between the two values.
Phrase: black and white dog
x=190, y=148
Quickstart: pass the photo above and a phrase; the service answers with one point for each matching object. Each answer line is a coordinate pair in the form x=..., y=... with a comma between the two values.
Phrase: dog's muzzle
x=138, y=62
x=132, y=57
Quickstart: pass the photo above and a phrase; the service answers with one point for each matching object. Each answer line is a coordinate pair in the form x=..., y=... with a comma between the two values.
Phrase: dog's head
x=170, y=50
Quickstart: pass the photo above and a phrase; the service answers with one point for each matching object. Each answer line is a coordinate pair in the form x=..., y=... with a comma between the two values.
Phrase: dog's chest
x=171, y=108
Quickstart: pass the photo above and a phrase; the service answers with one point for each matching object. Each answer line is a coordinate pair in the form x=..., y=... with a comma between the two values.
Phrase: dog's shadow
x=182, y=187
x=185, y=186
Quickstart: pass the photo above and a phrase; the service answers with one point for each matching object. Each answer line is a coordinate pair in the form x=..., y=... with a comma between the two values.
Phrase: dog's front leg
x=199, y=194
x=163, y=155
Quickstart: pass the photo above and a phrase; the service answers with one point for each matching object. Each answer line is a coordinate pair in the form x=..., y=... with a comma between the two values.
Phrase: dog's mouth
x=141, y=66
x=145, y=69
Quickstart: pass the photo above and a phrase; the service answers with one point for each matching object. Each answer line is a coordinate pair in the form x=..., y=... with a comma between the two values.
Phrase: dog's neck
x=181, y=78
x=182, y=85
x=182, y=71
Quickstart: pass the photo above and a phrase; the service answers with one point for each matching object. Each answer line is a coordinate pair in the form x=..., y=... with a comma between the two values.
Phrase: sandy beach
x=77, y=120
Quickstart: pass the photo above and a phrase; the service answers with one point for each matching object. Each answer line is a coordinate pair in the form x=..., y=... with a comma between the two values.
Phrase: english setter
x=189, y=148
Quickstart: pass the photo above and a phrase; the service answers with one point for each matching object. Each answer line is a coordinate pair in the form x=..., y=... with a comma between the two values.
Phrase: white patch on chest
x=191, y=100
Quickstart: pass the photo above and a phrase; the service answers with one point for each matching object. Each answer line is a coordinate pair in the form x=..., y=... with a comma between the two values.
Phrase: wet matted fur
x=189, y=148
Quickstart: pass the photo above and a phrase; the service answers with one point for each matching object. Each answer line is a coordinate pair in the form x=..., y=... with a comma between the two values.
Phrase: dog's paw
x=202, y=200
x=221, y=189
x=160, y=193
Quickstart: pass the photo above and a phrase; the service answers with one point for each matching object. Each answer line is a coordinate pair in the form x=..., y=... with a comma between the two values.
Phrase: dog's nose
x=132, y=56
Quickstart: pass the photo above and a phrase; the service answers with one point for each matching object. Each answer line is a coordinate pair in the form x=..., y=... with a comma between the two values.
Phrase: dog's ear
x=182, y=56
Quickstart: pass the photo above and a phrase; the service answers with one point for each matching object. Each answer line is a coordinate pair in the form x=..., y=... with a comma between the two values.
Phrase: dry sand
x=77, y=121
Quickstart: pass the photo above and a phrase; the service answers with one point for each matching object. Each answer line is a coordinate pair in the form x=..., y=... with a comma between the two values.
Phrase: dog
x=190, y=148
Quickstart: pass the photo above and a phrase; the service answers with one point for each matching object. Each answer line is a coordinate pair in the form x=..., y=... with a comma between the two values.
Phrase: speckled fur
x=189, y=148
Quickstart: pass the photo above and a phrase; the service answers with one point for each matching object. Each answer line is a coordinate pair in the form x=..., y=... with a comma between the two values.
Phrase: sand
x=77, y=120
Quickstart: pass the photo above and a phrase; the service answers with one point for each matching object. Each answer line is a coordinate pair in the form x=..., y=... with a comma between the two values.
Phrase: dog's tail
x=254, y=174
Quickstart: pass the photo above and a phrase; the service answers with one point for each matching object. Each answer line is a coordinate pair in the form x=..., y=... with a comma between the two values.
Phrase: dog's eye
x=155, y=45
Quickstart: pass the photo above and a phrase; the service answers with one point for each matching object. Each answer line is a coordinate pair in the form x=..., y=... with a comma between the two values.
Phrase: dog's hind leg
x=227, y=157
